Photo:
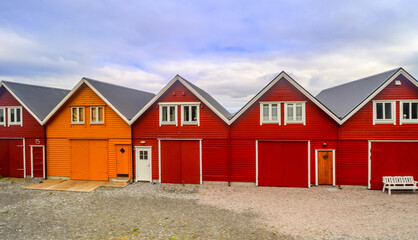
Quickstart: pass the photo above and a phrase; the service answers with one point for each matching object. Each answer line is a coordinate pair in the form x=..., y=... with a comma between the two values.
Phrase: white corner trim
x=309, y=164
x=256, y=162
x=369, y=170
x=159, y=161
x=201, y=162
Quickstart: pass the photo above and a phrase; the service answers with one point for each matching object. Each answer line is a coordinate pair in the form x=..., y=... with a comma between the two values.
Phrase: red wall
x=31, y=130
x=212, y=130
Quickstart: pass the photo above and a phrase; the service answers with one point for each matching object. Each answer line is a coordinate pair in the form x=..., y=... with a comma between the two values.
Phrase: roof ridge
x=360, y=79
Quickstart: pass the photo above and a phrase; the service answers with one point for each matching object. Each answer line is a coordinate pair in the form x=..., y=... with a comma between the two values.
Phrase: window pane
x=1, y=115
x=194, y=113
x=172, y=113
x=12, y=115
x=165, y=114
x=141, y=154
x=274, y=112
x=265, y=112
x=101, y=114
x=299, y=112
x=406, y=111
x=414, y=111
x=388, y=110
x=289, y=112
x=379, y=110
x=80, y=115
x=145, y=155
x=18, y=115
x=94, y=114
x=186, y=114
x=74, y=114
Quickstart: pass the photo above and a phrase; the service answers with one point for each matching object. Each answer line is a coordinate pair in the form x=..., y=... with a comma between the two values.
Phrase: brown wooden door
x=325, y=159
x=123, y=158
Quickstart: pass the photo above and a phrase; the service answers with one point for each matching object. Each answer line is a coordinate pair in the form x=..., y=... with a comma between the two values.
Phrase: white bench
x=399, y=183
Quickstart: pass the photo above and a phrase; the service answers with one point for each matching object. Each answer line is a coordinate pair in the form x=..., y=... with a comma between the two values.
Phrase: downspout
x=46, y=160
x=229, y=155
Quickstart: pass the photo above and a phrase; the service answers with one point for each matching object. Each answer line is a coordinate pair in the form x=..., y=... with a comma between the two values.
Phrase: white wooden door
x=143, y=164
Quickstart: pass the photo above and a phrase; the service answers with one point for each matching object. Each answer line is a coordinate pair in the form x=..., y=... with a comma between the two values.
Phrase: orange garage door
x=89, y=160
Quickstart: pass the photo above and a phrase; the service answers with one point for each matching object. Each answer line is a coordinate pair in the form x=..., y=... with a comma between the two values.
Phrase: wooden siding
x=360, y=125
x=318, y=124
x=352, y=163
x=215, y=160
x=243, y=160
x=60, y=130
x=319, y=145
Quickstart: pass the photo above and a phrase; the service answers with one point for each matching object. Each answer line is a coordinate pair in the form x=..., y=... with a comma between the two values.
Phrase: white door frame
x=143, y=148
x=178, y=139
x=333, y=164
x=369, y=153
x=31, y=159
x=309, y=157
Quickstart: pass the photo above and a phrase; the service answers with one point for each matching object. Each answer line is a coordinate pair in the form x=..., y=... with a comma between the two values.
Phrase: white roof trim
x=182, y=81
x=74, y=90
x=20, y=101
x=383, y=86
x=296, y=85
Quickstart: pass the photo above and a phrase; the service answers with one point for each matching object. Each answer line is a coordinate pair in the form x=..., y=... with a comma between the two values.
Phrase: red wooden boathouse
x=23, y=108
x=181, y=136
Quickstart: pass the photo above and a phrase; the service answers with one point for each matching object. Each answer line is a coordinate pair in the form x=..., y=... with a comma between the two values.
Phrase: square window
x=168, y=115
x=384, y=112
x=77, y=115
x=2, y=117
x=269, y=112
x=295, y=112
x=190, y=115
x=409, y=111
x=97, y=115
x=15, y=116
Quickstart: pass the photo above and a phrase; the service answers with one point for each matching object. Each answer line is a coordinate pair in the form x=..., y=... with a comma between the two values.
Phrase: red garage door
x=180, y=162
x=11, y=158
x=392, y=159
x=283, y=164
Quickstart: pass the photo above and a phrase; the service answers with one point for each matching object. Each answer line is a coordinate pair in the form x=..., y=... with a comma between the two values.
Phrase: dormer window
x=168, y=114
x=77, y=115
x=383, y=112
x=269, y=113
x=294, y=113
x=409, y=111
x=190, y=115
x=2, y=116
x=15, y=116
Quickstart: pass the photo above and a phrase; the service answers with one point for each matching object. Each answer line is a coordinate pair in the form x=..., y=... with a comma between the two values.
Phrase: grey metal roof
x=343, y=99
x=211, y=100
x=40, y=100
x=126, y=100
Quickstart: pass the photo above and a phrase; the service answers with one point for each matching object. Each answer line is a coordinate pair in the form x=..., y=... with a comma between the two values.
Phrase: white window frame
x=9, y=122
x=270, y=121
x=4, y=116
x=401, y=119
x=97, y=115
x=384, y=121
x=168, y=105
x=78, y=111
x=183, y=106
x=303, y=121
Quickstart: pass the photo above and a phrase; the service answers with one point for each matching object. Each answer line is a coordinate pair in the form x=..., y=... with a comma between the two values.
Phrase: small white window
x=383, y=112
x=269, y=112
x=97, y=115
x=190, y=115
x=77, y=115
x=295, y=113
x=168, y=115
x=15, y=116
x=3, y=116
x=409, y=111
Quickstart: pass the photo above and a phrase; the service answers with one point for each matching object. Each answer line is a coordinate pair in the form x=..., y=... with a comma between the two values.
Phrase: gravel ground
x=210, y=211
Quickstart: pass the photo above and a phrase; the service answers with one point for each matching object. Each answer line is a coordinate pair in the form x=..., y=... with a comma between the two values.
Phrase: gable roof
x=346, y=99
x=207, y=99
x=126, y=102
x=37, y=100
x=296, y=85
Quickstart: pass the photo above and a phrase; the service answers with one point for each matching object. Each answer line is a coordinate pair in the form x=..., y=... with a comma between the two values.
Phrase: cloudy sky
x=231, y=49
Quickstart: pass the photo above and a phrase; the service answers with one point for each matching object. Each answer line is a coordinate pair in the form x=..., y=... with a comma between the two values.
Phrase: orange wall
x=60, y=131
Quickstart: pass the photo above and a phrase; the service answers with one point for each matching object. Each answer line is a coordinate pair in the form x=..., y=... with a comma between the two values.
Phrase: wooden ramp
x=74, y=185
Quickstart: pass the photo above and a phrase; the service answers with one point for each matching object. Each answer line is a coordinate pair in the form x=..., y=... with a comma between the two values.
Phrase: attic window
x=190, y=115
x=168, y=115
x=15, y=116
x=2, y=116
x=269, y=112
x=409, y=111
x=383, y=112
x=97, y=115
x=294, y=113
x=77, y=115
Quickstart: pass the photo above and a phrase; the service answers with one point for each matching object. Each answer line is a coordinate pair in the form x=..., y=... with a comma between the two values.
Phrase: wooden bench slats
x=399, y=183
